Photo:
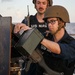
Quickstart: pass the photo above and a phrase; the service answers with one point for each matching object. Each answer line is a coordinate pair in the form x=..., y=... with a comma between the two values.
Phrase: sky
x=17, y=9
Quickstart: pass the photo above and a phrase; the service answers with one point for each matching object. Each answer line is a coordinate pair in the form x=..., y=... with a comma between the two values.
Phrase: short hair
x=49, y=1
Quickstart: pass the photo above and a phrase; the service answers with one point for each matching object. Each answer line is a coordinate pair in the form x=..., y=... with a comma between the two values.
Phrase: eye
x=51, y=22
x=44, y=3
x=38, y=2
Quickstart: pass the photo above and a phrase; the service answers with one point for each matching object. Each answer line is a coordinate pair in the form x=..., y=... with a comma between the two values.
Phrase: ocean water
x=70, y=27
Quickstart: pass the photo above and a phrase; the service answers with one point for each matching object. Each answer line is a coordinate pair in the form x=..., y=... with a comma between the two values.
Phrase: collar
x=66, y=36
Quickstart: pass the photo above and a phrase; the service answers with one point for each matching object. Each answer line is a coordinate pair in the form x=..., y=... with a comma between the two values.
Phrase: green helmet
x=57, y=11
x=50, y=2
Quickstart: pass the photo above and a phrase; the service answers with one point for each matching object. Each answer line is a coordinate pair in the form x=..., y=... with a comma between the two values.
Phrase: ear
x=61, y=24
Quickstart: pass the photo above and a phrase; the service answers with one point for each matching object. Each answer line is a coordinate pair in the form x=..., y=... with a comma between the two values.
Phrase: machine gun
x=26, y=47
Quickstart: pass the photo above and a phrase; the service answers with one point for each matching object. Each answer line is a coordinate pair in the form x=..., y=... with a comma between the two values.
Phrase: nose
x=49, y=24
x=41, y=4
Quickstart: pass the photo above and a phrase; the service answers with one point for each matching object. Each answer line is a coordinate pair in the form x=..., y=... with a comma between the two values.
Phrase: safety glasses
x=52, y=22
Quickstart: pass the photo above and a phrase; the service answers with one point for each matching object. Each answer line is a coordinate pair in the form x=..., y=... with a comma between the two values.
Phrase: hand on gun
x=20, y=26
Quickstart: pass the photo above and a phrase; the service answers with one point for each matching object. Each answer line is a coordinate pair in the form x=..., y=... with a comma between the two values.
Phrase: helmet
x=50, y=2
x=57, y=11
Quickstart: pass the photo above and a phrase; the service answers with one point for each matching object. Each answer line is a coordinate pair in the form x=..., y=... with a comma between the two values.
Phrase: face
x=52, y=25
x=41, y=6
